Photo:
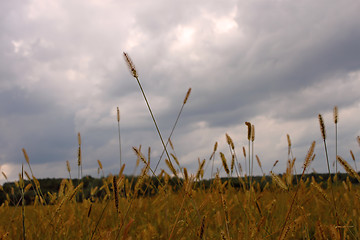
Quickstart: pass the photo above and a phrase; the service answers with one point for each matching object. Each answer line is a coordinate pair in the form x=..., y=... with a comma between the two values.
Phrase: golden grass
x=184, y=208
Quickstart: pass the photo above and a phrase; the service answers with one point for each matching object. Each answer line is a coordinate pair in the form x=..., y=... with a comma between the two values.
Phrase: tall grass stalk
x=248, y=124
x=118, y=121
x=22, y=201
x=336, y=138
x=135, y=75
x=307, y=162
x=79, y=157
x=174, y=126
x=34, y=180
x=323, y=134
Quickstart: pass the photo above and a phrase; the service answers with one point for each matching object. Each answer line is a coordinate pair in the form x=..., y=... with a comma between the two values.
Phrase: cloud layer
x=275, y=63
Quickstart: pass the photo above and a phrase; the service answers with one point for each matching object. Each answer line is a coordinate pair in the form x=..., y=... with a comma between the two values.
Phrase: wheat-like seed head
x=139, y=154
x=258, y=160
x=130, y=65
x=322, y=127
x=335, y=114
x=352, y=155
x=278, y=181
x=223, y=159
x=252, y=133
x=100, y=164
x=122, y=169
x=289, y=143
x=318, y=188
x=187, y=95
x=116, y=198
x=79, y=156
x=170, y=166
x=276, y=162
x=358, y=140
x=232, y=162
x=186, y=175
x=288, y=139
x=27, y=175
x=68, y=166
x=26, y=156
x=230, y=141
x=348, y=168
x=171, y=144
x=248, y=124
x=79, y=138
x=118, y=114
x=202, y=227
x=309, y=156
x=215, y=146
x=200, y=171
x=244, y=151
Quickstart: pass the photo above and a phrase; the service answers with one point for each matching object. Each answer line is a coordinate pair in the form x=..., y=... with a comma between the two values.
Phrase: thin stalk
x=323, y=133
x=335, y=113
x=306, y=164
x=173, y=128
x=135, y=75
x=23, y=202
x=118, y=120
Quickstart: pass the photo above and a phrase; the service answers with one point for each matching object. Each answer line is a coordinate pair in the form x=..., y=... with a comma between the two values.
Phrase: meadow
x=177, y=204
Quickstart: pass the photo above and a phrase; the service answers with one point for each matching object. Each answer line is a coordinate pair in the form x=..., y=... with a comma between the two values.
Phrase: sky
x=274, y=63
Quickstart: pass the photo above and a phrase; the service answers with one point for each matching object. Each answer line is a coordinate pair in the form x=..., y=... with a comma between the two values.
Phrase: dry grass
x=186, y=209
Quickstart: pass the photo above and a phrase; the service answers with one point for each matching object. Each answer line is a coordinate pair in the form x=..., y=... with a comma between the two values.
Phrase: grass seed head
x=223, y=159
x=100, y=164
x=130, y=65
x=68, y=166
x=187, y=95
x=248, y=124
x=309, y=155
x=335, y=114
x=348, y=168
x=215, y=146
x=26, y=156
x=352, y=155
x=278, y=181
x=252, y=133
x=322, y=127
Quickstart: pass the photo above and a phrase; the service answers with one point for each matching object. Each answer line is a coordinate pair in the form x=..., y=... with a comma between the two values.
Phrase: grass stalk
x=118, y=121
x=22, y=202
x=174, y=126
x=323, y=134
x=135, y=75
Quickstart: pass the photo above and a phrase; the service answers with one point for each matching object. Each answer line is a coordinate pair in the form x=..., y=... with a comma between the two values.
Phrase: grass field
x=176, y=204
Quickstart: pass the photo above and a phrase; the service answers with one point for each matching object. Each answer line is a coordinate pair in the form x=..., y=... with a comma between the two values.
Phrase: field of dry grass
x=180, y=206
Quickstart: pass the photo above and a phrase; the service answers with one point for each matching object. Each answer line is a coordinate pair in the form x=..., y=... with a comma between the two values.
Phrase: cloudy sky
x=277, y=64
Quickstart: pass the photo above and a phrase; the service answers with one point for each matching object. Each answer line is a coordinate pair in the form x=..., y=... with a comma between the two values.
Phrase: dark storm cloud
x=275, y=63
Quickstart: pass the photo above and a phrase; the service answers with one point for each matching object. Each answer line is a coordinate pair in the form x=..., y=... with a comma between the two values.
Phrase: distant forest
x=50, y=186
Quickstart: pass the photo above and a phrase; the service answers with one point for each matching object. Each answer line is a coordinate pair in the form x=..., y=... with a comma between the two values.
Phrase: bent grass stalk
x=118, y=121
x=173, y=128
x=135, y=75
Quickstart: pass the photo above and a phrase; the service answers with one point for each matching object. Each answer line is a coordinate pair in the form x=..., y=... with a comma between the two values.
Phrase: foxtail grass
x=336, y=118
x=134, y=73
x=306, y=164
x=323, y=134
x=174, y=126
x=79, y=157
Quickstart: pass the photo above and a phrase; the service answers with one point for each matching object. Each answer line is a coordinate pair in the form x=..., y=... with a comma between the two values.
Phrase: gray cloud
x=277, y=64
